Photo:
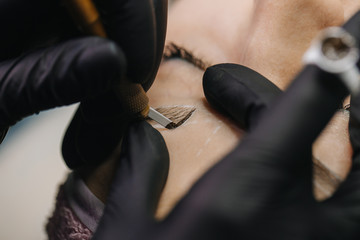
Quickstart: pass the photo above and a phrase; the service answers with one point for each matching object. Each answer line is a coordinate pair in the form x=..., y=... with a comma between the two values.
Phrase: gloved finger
x=133, y=25
x=57, y=76
x=139, y=179
x=95, y=131
x=160, y=7
x=239, y=92
x=30, y=24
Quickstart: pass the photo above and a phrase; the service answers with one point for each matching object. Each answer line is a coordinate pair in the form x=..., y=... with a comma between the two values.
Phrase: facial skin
x=267, y=36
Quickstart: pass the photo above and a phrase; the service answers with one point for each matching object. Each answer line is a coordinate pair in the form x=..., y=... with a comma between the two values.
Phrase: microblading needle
x=171, y=117
x=158, y=117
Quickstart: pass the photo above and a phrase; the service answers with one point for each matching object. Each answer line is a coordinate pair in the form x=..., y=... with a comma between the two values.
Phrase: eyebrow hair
x=173, y=51
x=178, y=114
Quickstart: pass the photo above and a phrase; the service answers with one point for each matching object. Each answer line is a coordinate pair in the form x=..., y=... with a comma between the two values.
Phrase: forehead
x=247, y=31
x=209, y=28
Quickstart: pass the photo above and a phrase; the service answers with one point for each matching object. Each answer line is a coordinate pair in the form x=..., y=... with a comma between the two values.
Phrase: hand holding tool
x=47, y=62
x=132, y=95
x=138, y=28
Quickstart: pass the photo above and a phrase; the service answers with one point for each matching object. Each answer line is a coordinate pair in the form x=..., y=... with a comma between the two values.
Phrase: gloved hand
x=141, y=174
x=262, y=189
x=47, y=62
x=99, y=124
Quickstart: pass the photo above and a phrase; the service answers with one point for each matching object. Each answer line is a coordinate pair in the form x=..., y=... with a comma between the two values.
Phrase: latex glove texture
x=139, y=179
x=99, y=124
x=46, y=62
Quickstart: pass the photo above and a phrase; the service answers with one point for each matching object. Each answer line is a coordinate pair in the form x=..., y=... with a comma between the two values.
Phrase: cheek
x=333, y=147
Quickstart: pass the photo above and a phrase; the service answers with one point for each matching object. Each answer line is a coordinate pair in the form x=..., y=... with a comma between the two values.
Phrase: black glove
x=140, y=177
x=261, y=190
x=139, y=27
x=47, y=62
x=35, y=77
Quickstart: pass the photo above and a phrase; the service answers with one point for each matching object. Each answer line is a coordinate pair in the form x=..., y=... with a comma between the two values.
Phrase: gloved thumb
x=139, y=179
x=239, y=92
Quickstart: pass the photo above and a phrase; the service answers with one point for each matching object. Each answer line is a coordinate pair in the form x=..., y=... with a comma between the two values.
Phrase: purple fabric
x=64, y=224
x=87, y=207
x=77, y=211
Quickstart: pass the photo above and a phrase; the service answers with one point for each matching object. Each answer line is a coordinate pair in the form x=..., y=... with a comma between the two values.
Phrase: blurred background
x=31, y=169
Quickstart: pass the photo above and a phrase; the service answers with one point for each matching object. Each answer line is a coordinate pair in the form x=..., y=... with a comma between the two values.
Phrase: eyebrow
x=173, y=51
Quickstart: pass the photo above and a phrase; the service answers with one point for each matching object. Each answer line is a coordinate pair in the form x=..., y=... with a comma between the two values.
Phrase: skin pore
x=267, y=36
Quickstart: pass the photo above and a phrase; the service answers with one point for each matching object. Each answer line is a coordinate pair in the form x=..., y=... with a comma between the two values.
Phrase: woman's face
x=261, y=34
x=267, y=36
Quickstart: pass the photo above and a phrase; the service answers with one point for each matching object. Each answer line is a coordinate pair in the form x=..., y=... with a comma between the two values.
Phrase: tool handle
x=134, y=99
x=87, y=17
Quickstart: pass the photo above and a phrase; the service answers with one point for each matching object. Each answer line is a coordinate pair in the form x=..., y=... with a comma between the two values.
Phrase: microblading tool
x=177, y=115
x=158, y=117
x=132, y=95
x=336, y=51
